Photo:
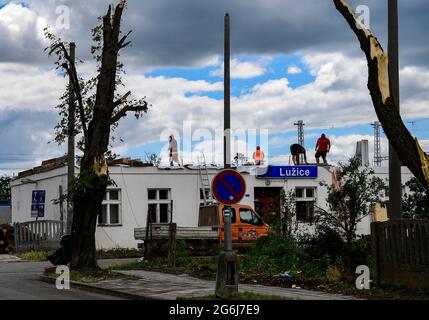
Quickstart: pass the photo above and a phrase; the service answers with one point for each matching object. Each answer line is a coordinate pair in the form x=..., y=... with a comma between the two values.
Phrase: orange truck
x=246, y=225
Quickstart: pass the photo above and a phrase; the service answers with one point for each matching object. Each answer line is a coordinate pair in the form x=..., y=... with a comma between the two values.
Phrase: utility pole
x=226, y=277
x=227, y=97
x=71, y=144
x=395, y=185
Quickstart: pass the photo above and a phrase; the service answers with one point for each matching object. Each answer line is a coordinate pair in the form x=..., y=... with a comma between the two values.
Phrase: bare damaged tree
x=407, y=147
x=99, y=108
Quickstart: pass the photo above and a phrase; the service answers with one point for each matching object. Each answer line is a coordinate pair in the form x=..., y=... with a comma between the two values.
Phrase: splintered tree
x=99, y=107
x=408, y=148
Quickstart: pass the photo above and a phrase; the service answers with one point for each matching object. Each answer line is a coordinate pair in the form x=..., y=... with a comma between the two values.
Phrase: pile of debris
x=128, y=162
x=46, y=166
x=6, y=239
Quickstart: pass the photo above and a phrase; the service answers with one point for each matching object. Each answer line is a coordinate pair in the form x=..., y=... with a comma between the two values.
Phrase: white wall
x=22, y=193
x=134, y=182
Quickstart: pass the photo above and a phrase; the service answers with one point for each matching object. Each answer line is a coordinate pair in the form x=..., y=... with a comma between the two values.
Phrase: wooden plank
x=423, y=245
x=183, y=233
x=426, y=243
x=418, y=243
x=390, y=244
x=393, y=241
x=403, y=239
x=171, y=257
x=375, y=251
x=407, y=243
x=382, y=242
x=412, y=247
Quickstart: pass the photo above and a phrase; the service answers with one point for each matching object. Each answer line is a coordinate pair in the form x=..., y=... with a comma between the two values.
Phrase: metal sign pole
x=227, y=130
x=228, y=231
x=226, y=279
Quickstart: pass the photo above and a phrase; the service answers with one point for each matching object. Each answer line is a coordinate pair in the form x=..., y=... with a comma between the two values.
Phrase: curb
x=94, y=289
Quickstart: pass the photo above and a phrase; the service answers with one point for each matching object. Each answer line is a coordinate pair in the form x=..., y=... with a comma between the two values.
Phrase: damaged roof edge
x=55, y=163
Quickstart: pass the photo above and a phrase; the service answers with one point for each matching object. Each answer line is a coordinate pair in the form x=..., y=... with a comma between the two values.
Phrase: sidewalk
x=163, y=286
x=8, y=258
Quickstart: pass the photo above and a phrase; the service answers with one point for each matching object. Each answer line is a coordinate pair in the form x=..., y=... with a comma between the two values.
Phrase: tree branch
x=123, y=112
x=72, y=72
x=122, y=100
x=122, y=44
x=327, y=215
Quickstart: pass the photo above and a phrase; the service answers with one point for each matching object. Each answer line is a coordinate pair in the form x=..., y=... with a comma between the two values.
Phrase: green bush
x=272, y=254
x=361, y=251
x=325, y=246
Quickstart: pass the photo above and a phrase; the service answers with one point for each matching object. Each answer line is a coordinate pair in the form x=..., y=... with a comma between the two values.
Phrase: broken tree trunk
x=93, y=172
x=96, y=117
x=405, y=145
x=93, y=179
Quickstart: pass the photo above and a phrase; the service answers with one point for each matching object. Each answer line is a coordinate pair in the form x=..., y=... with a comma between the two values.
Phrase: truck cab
x=246, y=225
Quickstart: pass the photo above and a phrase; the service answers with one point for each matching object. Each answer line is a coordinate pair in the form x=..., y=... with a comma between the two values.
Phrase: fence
x=401, y=253
x=33, y=235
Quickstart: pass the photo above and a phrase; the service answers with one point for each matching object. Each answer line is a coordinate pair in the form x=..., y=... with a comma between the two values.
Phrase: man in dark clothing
x=323, y=146
x=296, y=150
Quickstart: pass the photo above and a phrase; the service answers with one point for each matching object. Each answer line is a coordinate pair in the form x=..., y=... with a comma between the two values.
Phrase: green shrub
x=361, y=251
x=272, y=254
x=325, y=245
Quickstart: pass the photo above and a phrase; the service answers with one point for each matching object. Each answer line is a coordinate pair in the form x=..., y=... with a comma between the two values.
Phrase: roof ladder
x=205, y=180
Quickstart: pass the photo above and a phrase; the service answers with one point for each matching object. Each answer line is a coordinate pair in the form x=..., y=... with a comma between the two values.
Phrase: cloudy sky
x=292, y=60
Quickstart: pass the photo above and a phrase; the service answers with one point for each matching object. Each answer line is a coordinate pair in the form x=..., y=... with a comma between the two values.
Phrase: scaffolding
x=378, y=158
x=300, y=124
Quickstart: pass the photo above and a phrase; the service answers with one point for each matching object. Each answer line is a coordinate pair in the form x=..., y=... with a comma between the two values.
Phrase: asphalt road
x=20, y=281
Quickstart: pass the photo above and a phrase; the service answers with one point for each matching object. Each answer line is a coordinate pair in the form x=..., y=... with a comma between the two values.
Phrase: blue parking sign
x=38, y=198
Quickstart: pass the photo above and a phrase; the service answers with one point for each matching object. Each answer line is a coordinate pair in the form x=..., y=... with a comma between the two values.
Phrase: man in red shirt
x=323, y=146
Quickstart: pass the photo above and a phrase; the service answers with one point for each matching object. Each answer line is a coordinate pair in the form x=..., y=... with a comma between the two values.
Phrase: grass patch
x=119, y=253
x=42, y=255
x=91, y=276
x=240, y=296
x=37, y=255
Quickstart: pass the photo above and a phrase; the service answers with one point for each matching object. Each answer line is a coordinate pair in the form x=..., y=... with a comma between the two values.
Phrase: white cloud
x=242, y=69
x=22, y=33
x=337, y=97
x=29, y=88
x=294, y=70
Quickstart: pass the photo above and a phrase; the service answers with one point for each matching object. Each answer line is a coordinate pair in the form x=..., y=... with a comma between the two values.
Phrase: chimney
x=362, y=151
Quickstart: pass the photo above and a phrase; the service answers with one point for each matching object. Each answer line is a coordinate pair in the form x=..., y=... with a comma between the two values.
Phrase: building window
x=111, y=209
x=249, y=217
x=305, y=202
x=159, y=204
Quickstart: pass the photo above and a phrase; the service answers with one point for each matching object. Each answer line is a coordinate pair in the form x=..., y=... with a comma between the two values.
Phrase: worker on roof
x=323, y=146
x=296, y=150
x=258, y=156
x=174, y=152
